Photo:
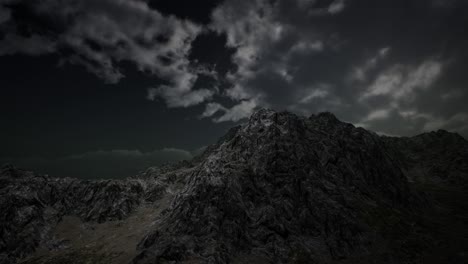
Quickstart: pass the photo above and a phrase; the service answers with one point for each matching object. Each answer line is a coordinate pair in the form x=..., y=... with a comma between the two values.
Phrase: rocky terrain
x=437, y=157
x=279, y=188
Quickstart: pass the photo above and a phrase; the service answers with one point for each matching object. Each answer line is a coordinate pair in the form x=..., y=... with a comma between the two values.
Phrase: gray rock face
x=282, y=188
x=437, y=157
x=32, y=205
x=278, y=189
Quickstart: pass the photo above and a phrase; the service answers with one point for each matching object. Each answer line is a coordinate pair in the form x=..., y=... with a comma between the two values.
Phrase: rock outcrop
x=279, y=188
x=282, y=188
x=32, y=205
x=438, y=156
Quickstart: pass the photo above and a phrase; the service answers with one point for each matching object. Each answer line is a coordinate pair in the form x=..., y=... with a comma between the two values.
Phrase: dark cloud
x=373, y=64
x=102, y=34
x=32, y=45
x=197, y=11
x=368, y=62
x=397, y=67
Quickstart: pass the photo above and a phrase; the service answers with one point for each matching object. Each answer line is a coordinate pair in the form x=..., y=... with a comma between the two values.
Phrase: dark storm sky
x=104, y=88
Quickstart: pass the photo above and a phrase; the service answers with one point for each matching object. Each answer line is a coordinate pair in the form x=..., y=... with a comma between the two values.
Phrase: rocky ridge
x=32, y=205
x=438, y=156
x=279, y=188
x=284, y=188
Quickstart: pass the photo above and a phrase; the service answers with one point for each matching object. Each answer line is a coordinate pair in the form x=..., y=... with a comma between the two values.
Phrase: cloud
x=452, y=94
x=336, y=7
x=180, y=95
x=400, y=81
x=380, y=66
x=400, y=87
x=100, y=34
x=242, y=110
x=377, y=115
x=308, y=56
x=267, y=45
x=33, y=45
x=359, y=73
x=444, y=3
x=5, y=14
x=211, y=109
x=413, y=121
x=303, y=46
x=104, y=69
x=237, y=112
x=318, y=92
x=248, y=31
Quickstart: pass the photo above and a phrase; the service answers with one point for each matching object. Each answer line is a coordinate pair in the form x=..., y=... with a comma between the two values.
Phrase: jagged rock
x=280, y=187
x=438, y=156
x=32, y=205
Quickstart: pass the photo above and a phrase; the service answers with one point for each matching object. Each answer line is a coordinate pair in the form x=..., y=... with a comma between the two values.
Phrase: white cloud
x=104, y=69
x=238, y=92
x=422, y=77
x=180, y=92
x=129, y=30
x=258, y=35
x=317, y=92
x=212, y=108
x=386, y=83
x=413, y=114
x=283, y=72
x=307, y=46
x=336, y=7
x=250, y=31
x=360, y=73
x=240, y=111
x=175, y=98
x=101, y=34
x=378, y=115
x=402, y=81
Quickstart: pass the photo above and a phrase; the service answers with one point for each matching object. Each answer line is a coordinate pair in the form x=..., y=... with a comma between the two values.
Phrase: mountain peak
x=263, y=111
x=279, y=188
x=266, y=116
x=281, y=179
x=262, y=114
x=327, y=115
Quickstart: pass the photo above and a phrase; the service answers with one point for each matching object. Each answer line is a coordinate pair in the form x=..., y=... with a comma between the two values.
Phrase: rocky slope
x=32, y=205
x=438, y=156
x=283, y=188
x=278, y=189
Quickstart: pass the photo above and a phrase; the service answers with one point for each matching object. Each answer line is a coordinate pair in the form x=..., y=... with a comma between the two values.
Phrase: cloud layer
x=309, y=56
x=392, y=66
x=100, y=35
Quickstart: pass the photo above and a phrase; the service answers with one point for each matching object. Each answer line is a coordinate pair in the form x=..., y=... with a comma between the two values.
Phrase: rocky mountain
x=279, y=188
x=438, y=156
